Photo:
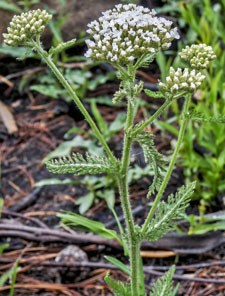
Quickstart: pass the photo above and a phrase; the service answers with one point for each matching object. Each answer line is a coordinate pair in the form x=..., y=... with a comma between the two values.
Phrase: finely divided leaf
x=169, y=212
x=145, y=60
x=77, y=164
x=197, y=116
x=119, y=288
x=164, y=285
x=154, y=94
x=154, y=158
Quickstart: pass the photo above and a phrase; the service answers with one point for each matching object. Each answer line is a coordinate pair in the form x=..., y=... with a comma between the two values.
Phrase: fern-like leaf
x=169, y=212
x=197, y=116
x=77, y=164
x=154, y=94
x=118, y=288
x=145, y=60
x=154, y=158
x=164, y=285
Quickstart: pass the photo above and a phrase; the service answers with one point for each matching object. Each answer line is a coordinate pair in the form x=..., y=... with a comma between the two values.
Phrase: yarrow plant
x=128, y=37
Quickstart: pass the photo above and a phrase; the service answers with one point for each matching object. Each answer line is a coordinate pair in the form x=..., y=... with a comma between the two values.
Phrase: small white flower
x=130, y=31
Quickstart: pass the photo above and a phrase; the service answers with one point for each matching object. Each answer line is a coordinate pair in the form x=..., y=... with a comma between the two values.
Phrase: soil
x=49, y=268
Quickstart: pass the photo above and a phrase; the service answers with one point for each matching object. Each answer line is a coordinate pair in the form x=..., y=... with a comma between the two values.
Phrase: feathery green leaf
x=77, y=164
x=119, y=288
x=154, y=158
x=164, y=285
x=145, y=60
x=154, y=94
x=169, y=212
x=197, y=116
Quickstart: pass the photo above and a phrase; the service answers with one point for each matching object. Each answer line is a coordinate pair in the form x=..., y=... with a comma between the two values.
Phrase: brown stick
x=45, y=286
x=26, y=201
x=33, y=220
x=50, y=235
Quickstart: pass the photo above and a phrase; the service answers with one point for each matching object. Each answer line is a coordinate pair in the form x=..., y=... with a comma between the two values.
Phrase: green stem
x=141, y=127
x=134, y=245
x=161, y=109
x=47, y=59
x=171, y=165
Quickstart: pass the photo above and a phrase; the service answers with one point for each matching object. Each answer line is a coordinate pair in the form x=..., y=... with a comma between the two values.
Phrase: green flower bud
x=26, y=26
x=181, y=81
x=198, y=55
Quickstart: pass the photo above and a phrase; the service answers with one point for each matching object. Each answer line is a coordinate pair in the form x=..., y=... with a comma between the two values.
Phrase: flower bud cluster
x=198, y=55
x=24, y=27
x=126, y=32
x=181, y=81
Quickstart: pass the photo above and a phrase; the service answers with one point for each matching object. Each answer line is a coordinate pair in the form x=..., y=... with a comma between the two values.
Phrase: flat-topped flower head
x=26, y=26
x=198, y=55
x=181, y=80
x=126, y=32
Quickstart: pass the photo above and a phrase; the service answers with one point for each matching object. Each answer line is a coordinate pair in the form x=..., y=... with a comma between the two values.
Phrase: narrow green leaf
x=120, y=265
x=1, y=205
x=11, y=7
x=4, y=278
x=86, y=224
x=3, y=247
x=13, y=279
x=98, y=117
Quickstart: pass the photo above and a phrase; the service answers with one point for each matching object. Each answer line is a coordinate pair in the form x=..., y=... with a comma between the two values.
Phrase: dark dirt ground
x=43, y=268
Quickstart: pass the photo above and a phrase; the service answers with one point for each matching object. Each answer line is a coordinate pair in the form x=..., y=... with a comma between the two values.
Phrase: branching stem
x=184, y=118
x=161, y=109
x=134, y=244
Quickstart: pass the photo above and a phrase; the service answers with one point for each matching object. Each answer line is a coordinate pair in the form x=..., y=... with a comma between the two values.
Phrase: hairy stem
x=161, y=109
x=171, y=165
x=47, y=59
x=134, y=245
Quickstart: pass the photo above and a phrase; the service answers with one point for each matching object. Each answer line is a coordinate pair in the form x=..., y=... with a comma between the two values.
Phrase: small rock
x=71, y=254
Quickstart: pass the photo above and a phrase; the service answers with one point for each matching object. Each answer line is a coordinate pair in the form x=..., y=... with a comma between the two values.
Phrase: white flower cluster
x=198, y=55
x=126, y=32
x=24, y=27
x=181, y=81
